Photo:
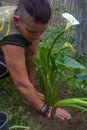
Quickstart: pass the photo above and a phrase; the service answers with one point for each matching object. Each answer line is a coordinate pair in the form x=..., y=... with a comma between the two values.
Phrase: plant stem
x=21, y=127
x=53, y=44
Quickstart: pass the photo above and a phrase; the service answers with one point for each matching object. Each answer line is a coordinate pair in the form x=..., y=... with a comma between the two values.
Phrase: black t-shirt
x=16, y=40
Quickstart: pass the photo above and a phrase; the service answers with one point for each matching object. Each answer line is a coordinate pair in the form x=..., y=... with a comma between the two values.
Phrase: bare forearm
x=30, y=93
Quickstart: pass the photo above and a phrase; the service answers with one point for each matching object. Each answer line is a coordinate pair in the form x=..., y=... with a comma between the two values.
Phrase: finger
x=42, y=97
x=63, y=117
x=59, y=116
x=66, y=115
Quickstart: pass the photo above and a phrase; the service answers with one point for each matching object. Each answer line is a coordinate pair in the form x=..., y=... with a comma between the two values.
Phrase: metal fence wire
x=77, y=8
x=81, y=31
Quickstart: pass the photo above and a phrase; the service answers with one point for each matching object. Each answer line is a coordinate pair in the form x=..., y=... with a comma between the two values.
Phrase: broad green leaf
x=70, y=62
x=42, y=60
x=81, y=77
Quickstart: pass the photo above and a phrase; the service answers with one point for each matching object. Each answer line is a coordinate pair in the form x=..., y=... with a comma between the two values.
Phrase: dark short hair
x=39, y=10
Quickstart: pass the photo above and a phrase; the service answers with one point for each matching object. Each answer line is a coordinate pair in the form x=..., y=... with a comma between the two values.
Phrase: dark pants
x=3, y=68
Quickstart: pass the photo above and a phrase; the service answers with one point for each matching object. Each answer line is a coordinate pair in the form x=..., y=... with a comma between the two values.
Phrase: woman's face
x=31, y=30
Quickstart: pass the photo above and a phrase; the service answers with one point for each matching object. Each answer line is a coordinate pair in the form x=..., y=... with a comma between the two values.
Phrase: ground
x=23, y=108
x=78, y=121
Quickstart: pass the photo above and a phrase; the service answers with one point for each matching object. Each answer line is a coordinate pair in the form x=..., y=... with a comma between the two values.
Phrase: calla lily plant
x=51, y=65
x=71, y=21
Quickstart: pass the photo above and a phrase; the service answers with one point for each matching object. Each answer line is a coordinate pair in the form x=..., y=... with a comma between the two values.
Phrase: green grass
x=15, y=105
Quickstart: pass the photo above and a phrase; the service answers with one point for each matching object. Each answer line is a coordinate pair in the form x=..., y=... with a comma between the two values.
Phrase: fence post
x=81, y=31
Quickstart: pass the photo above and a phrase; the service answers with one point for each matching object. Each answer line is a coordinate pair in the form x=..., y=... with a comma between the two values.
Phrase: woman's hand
x=60, y=113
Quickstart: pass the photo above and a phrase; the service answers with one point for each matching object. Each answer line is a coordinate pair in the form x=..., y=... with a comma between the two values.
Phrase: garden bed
x=77, y=122
x=21, y=113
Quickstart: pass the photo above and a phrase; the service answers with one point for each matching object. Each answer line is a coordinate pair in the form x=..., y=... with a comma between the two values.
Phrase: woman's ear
x=16, y=19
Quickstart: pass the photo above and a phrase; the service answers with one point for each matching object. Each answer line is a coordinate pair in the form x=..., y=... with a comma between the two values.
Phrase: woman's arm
x=15, y=60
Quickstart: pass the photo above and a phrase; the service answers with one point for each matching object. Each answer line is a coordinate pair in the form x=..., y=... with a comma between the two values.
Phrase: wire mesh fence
x=8, y=2
x=81, y=31
x=58, y=7
x=77, y=8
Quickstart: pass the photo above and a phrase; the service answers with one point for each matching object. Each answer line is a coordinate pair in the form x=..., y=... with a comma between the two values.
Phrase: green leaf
x=42, y=60
x=81, y=77
x=70, y=62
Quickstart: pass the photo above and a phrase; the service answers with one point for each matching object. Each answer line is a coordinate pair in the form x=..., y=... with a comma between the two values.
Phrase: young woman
x=21, y=28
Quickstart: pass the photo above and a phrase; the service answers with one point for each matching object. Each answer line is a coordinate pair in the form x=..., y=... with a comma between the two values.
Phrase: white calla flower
x=71, y=20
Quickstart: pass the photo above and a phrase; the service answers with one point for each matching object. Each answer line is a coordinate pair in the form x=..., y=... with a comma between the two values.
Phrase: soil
x=77, y=122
